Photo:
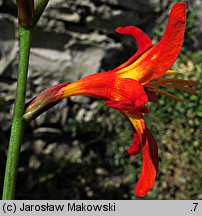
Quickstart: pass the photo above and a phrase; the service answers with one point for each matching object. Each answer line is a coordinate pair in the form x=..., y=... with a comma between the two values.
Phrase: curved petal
x=135, y=147
x=156, y=61
x=149, y=154
x=142, y=40
x=149, y=165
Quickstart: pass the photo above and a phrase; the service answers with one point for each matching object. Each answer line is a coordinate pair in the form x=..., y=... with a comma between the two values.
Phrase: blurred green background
x=82, y=154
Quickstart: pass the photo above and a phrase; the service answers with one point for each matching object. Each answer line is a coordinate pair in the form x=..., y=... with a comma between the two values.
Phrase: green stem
x=39, y=8
x=17, y=129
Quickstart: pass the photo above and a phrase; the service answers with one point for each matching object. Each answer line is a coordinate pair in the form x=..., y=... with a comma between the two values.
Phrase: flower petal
x=156, y=61
x=130, y=96
x=142, y=40
x=135, y=147
x=149, y=152
x=149, y=165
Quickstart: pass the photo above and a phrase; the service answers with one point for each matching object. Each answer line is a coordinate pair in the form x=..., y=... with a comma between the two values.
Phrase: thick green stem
x=17, y=129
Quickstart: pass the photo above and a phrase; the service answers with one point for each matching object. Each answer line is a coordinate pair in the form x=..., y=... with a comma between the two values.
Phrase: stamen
x=173, y=72
x=156, y=90
x=184, y=88
x=173, y=80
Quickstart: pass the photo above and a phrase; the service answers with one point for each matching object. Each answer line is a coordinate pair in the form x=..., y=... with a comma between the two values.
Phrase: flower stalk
x=17, y=129
x=28, y=16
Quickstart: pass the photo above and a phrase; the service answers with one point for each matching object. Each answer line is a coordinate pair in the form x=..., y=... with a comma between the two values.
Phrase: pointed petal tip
x=179, y=11
x=145, y=183
x=142, y=190
x=119, y=29
x=180, y=4
x=123, y=29
x=127, y=30
x=140, y=193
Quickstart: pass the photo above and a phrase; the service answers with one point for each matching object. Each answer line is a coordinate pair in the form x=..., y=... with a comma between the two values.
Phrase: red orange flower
x=130, y=86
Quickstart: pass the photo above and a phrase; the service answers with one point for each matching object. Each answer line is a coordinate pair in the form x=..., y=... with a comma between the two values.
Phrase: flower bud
x=25, y=12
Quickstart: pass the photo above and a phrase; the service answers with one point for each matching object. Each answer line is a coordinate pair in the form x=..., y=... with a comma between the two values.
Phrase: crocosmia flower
x=130, y=86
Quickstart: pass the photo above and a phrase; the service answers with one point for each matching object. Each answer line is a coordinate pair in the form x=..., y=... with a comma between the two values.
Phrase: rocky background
x=78, y=149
